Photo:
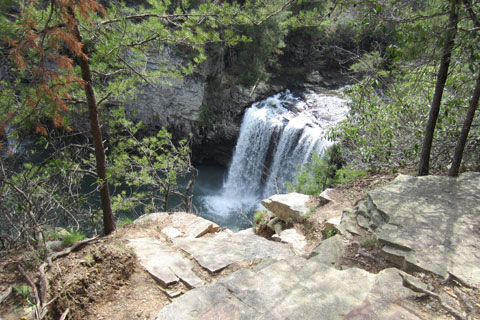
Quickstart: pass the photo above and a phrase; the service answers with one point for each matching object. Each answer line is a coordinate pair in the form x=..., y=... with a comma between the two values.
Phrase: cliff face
x=207, y=104
x=210, y=103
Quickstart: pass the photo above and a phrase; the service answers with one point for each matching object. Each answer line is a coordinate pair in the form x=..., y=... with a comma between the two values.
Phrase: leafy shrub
x=124, y=221
x=348, y=174
x=258, y=216
x=321, y=173
x=314, y=177
x=73, y=237
x=331, y=233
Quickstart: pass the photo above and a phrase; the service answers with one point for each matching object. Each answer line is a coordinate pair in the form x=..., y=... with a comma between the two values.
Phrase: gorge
x=278, y=135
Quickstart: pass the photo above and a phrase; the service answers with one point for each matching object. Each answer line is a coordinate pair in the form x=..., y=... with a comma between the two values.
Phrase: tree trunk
x=108, y=222
x=423, y=166
x=462, y=139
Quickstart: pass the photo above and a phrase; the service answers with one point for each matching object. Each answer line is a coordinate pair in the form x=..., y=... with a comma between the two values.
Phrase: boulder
x=291, y=207
x=323, y=198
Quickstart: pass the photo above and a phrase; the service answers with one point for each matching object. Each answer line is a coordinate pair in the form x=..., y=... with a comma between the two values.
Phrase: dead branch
x=5, y=294
x=67, y=251
x=461, y=281
x=40, y=310
x=407, y=283
x=469, y=306
x=64, y=314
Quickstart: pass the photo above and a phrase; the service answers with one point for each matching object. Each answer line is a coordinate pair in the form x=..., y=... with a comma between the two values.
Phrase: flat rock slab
x=215, y=254
x=180, y=224
x=433, y=223
x=297, y=289
x=165, y=264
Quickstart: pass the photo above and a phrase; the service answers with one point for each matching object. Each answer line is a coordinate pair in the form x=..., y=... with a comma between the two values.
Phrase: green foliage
x=25, y=293
x=331, y=233
x=260, y=52
x=321, y=173
x=370, y=242
x=258, y=216
x=124, y=221
x=318, y=174
x=23, y=290
x=72, y=237
x=207, y=117
x=388, y=112
x=348, y=174
x=146, y=169
x=314, y=177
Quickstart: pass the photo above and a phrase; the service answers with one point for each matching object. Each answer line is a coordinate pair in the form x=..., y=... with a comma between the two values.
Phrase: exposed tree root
x=407, y=283
x=40, y=290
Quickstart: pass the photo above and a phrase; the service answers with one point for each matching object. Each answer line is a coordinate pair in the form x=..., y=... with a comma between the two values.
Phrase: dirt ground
x=104, y=280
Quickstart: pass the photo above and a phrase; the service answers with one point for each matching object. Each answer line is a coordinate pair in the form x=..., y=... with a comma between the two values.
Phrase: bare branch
x=407, y=283
x=155, y=15
x=136, y=72
x=5, y=294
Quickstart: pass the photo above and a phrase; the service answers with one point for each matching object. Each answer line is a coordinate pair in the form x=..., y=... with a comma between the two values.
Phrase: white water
x=13, y=145
x=278, y=135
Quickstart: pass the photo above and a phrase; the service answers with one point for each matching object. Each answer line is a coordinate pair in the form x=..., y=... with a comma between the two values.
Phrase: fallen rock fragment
x=187, y=224
x=293, y=238
x=329, y=252
x=323, y=198
x=165, y=264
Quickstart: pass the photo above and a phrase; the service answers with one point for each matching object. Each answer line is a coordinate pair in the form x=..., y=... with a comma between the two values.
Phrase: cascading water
x=12, y=144
x=278, y=135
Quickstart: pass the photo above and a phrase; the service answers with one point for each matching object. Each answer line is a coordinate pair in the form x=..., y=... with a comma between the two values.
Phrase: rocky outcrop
x=430, y=223
x=270, y=281
x=179, y=224
x=207, y=103
x=297, y=289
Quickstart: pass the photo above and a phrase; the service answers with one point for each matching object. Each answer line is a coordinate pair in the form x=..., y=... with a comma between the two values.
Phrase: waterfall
x=278, y=135
x=12, y=145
